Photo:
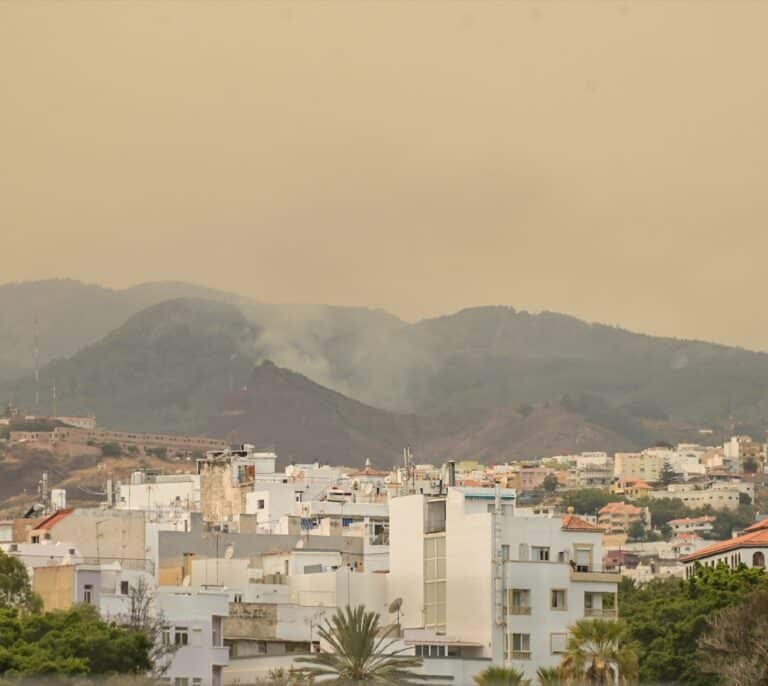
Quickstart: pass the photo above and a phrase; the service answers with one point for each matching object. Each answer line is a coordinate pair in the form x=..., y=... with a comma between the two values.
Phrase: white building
x=159, y=492
x=750, y=549
x=193, y=616
x=502, y=587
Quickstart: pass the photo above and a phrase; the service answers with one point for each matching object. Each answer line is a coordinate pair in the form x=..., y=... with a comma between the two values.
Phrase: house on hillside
x=750, y=549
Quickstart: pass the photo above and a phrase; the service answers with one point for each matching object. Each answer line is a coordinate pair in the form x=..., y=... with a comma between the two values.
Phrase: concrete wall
x=105, y=533
x=406, y=539
x=56, y=586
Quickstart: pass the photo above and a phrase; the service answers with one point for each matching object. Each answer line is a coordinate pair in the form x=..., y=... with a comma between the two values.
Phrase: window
x=197, y=681
x=431, y=651
x=181, y=681
x=583, y=556
x=123, y=588
x=435, y=583
x=87, y=593
x=181, y=636
x=588, y=605
x=519, y=601
x=238, y=597
x=758, y=559
x=505, y=552
x=197, y=638
x=558, y=643
x=558, y=598
x=35, y=539
x=166, y=636
x=540, y=553
x=260, y=504
x=519, y=646
x=523, y=552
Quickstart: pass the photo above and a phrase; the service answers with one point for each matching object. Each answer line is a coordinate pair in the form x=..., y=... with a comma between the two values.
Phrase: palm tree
x=549, y=676
x=501, y=676
x=596, y=655
x=361, y=652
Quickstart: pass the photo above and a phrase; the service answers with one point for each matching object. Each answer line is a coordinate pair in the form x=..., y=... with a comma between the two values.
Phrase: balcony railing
x=520, y=655
x=604, y=613
x=519, y=610
x=594, y=573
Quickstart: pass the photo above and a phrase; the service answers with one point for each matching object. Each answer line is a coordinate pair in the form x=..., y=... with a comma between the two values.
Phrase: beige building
x=638, y=466
x=106, y=535
x=617, y=518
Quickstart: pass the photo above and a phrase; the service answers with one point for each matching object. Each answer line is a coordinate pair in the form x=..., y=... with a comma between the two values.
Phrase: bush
x=111, y=450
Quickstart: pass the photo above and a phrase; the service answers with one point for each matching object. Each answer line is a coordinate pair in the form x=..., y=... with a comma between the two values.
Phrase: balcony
x=601, y=613
x=220, y=655
x=519, y=610
x=520, y=655
x=594, y=574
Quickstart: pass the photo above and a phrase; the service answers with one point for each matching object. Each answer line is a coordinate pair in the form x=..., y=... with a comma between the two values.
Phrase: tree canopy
x=666, y=618
x=69, y=643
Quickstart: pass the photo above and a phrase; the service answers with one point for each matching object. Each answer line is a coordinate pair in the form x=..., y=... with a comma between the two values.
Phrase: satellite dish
x=395, y=605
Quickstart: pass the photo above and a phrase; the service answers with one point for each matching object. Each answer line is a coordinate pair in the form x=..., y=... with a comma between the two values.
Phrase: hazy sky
x=608, y=160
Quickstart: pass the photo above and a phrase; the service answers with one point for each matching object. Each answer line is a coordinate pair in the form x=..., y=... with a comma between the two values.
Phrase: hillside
x=304, y=422
x=171, y=365
x=71, y=314
x=165, y=369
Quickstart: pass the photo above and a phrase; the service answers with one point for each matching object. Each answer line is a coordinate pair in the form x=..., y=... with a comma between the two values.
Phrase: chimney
x=451, y=473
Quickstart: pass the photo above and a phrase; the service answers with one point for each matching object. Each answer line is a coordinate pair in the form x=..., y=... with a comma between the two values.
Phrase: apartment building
x=480, y=582
x=645, y=466
x=719, y=496
x=194, y=616
x=689, y=525
x=617, y=518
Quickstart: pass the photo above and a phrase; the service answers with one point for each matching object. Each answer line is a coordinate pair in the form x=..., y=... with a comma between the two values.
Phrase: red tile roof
x=704, y=519
x=755, y=539
x=757, y=526
x=573, y=523
x=621, y=508
x=53, y=519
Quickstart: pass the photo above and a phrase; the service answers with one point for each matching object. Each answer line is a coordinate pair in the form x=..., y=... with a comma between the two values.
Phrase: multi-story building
x=617, y=518
x=750, y=549
x=739, y=449
x=193, y=617
x=645, y=466
x=720, y=496
x=477, y=581
x=688, y=525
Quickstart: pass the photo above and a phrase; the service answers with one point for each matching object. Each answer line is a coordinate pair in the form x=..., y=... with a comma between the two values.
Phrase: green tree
x=111, y=450
x=15, y=589
x=588, y=500
x=735, y=645
x=361, y=651
x=501, y=676
x=666, y=618
x=636, y=531
x=750, y=465
x=549, y=484
x=69, y=643
x=598, y=654
x=667, y=475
